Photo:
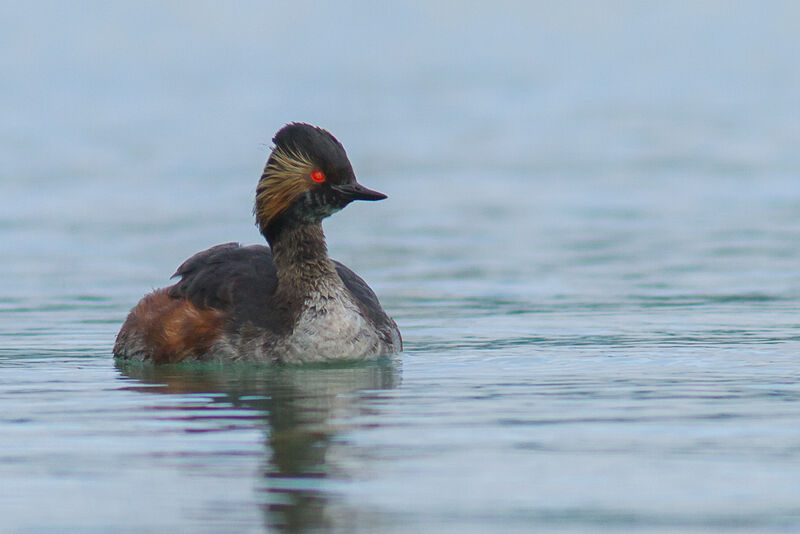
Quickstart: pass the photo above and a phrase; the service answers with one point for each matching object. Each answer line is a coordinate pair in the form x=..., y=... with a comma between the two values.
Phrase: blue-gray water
x=591, y=245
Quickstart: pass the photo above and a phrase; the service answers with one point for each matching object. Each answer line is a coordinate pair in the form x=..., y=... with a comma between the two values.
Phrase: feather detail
x=286, y=176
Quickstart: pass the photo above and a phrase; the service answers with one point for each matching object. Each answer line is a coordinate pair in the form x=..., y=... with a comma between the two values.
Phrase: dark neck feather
x=301, y=256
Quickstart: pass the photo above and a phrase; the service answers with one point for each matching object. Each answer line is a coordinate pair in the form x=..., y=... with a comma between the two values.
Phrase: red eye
x=318, y=176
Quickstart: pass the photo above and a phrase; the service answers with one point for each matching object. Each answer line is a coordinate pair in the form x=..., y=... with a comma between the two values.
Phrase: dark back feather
x=242, y=281
x=236, y=279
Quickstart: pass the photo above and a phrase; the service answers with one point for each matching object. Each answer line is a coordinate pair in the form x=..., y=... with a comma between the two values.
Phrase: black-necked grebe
x=286, y=303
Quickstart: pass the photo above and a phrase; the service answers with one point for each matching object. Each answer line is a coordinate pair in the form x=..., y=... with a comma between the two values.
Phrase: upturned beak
x=356, y=191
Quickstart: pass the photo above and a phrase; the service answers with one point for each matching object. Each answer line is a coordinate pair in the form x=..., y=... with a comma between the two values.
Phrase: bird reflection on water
x=301, y=409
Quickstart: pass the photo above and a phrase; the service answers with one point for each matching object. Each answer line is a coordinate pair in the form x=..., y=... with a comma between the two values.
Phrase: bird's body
x=287, y=303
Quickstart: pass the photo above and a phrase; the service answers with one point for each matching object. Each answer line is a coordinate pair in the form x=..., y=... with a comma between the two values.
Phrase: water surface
x=591, y=246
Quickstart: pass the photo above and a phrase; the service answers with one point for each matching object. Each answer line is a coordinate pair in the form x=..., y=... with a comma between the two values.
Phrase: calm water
x=591, y=245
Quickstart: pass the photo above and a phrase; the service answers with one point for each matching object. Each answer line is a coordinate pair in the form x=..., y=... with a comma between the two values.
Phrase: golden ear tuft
x=288, y=162
x=284, y=179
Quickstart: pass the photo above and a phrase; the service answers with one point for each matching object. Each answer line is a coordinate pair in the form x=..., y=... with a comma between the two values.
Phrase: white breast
x=330, y=328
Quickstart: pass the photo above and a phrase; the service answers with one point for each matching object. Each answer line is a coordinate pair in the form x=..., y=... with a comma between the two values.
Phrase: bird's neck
x=301, y=257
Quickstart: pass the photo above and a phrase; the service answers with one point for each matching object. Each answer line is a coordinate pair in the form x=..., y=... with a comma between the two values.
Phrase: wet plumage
x=285, y=303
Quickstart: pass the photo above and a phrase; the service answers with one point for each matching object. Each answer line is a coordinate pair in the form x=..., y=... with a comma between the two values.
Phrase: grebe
x=287, y=303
